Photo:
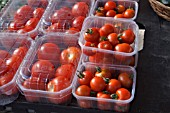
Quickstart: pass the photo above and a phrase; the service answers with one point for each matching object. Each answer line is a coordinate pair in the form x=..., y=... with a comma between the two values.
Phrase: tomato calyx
x=93, y=93
x=107, y=80
x=114, y=96
x=100, y=10
x=98, y=69
x=119, y=38
x=105, y=92
x=103, y=38
x=89, y=31
x=80, y=75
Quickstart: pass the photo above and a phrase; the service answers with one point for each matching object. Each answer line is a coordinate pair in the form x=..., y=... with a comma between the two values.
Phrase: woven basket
x=161, y=9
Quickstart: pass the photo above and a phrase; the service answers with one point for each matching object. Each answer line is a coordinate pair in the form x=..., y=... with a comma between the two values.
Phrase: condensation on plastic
x=56, y=5
x=126, y=3
x=109, y=56
x=10, y=42
x=8, y=16
x=108, y=104
x=61, y=97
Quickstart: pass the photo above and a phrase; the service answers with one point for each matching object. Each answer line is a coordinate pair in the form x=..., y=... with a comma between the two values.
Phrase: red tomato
x=62, y=15
x=3, y=67
x=78, y=22
x=123, y=47
x=129, y=13
x=113, y=39
x=66, y=70
x=110, y=5
x=21, y=51
x=126, y=80
x=32, y=23
x=119, y=16
x=16, y=25
x=106, y=30
x=38, y=13
x=22, y=31
x=23, y=14
x=6, y=77
x=43, y=69
x=122, y=94
x=92, y=35
x=105, y=45
x=70, y=55
x=89, y=52
x=103, y=104
x=83, y=90
x=99, y=14
x=102, y=72
x=111, y=13
x=80, y=9
x=72, y=30
x=100, y=10
x=127, y=36
x=120, y=8
x=97, y=84
x=85, y=103
x=57, y=27
x=85, y=77
x=14, y=62
x=38, y=3
x=49, y=51
x=4, y=55
x=113, y=86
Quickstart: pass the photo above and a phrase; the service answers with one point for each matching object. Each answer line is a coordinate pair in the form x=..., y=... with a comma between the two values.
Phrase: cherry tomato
x=89, y=52
x=111, y=13
x=113, y=85
x=85, y=103
x=121, y=94
x=83, y=90
x=80, y=9
x=38, y=3
x=6, y=77
x=85, y=77
x=132, y=61
x=22, y=31
x=110, y=5
x=129, y=13
x=70, y=55
x=14, y=62
x=103, y=104
x=3, y=67
x=72, y=30
x=120, y=8
x=127, y=36
x=66, y=70
x=4, y=55
x=58, y=83
x=49, y=51
x=15, y=25
x=119, y=16
x=99, y=14
x=105, y=45
x=126, y=80
x=23, y=14
x=97, y=84
x=113, y=39
x=106, y=30
x=38, y=13
x=102, y=72
x=57, y=27
x=78, y=22
x=32, y=23
x=43, y=69
x=123, y=47
x=21, y=51
x=92, y=35
x=101, y=10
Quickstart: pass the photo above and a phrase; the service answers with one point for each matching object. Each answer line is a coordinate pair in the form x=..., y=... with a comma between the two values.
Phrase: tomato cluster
x=9, y=64
x=103, y=83
x=52, y=71
x=68, y=19
x=27, y=17
x=111, y=9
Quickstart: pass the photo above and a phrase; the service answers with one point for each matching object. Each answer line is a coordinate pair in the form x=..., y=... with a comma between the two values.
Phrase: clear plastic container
x=19, y=17
x=103, y=103
x=13, y=49
x=104, y=56
x=126, y=3
x=55, y=50
x=60, y=16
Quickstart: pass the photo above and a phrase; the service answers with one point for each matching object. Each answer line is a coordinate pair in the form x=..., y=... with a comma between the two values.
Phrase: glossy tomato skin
x=70, y=55
x=119, y=16
x=38, y=13
x=101, y=10
x=110, y=5
x=49, y=51
x=80, y=9
x=78, y=22
x=126, y=80
x=43, y=69
x=3, y=67
x=111, y=13
x=103, y=104
x=123, y=94
x=83, y=90
x=106, y=30
x=129, y=13
x=120, y=8
x=89, y=52
x=97, y=84
x=102, y=72
x=21, y=51
x=15, y=25
x=57, y=27
x=92, y=35
x=113, y=39
x=123, y=47
x=128, y=36
x=113, y=86
x=85, y=77
x=23, y=14
x=105, y=45
x=32, y=23
x=4, y=54
x=66, y=70
x=6, y=77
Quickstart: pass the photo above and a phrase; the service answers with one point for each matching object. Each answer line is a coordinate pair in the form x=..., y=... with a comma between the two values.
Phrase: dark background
x=153, y=73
